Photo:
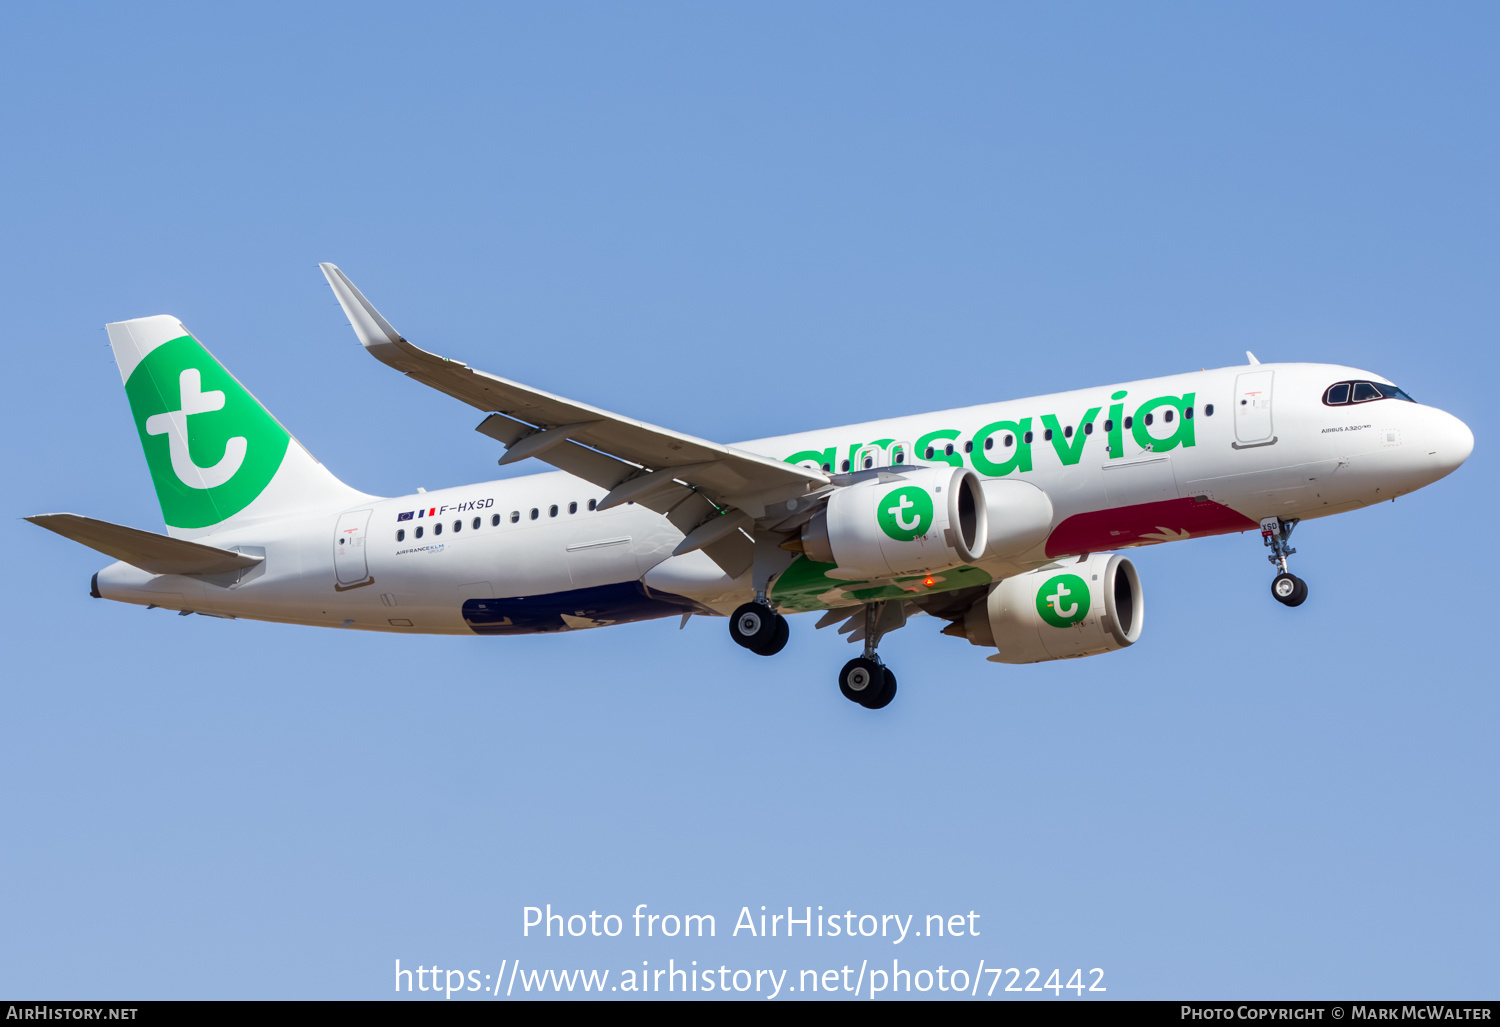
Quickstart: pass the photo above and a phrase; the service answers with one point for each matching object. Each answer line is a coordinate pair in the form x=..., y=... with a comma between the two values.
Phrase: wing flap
x=152, y=553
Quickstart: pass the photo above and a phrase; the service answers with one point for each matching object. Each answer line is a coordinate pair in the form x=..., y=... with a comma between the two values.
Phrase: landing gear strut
x=759, y=628
x=865, y=679
x=1287, y=588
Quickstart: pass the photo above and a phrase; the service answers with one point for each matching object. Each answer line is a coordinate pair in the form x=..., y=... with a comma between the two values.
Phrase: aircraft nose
x=1449, y=441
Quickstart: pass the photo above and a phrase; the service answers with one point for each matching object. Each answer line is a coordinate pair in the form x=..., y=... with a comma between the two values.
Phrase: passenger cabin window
x=1341, y=393
x=476, y=524
x=552, y=510
x=418, y=532
x=495, y=521
x=572, y=508
x=458, y=525
x=400, y=534
x=515, y=515
x=535, y=513
x=593, y=504
x=1208, y=410
x=437, y=529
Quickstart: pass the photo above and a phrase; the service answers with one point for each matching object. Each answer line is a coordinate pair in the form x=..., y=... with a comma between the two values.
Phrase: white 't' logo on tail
x=173, y=424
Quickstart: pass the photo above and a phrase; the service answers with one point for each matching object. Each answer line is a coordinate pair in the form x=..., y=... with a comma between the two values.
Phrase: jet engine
x=1058, y=612
x=914, y=521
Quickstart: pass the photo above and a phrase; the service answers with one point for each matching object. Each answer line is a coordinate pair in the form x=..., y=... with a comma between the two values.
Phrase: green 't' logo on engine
x=905, y=514
x=1063, y=600
x=210, y=446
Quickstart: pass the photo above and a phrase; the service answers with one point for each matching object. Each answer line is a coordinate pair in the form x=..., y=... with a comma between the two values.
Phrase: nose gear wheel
x=1289, y=590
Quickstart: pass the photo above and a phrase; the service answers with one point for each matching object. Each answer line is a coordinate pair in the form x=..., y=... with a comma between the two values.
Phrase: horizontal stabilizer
x=152, y=553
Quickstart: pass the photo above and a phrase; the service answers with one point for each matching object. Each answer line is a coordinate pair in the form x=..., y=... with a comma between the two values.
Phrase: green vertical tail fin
x=216, y=455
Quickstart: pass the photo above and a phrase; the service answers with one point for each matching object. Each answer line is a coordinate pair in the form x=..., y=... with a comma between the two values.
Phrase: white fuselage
x=533, y=545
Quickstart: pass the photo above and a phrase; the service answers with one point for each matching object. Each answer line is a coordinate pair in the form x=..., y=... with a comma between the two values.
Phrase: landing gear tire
x=886, y=694
x=759, y=628
x=778, y=640
x=1289, y=590
x=867, y=682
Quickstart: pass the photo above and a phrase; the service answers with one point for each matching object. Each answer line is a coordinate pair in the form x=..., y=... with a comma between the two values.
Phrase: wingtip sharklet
x=372, y=329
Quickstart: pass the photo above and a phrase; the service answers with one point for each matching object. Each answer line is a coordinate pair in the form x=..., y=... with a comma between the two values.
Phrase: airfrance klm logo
x=905, y=514
x=210, y=446
x=1063, y=600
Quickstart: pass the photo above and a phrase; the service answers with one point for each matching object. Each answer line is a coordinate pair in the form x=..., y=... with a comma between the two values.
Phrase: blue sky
x=740, y=221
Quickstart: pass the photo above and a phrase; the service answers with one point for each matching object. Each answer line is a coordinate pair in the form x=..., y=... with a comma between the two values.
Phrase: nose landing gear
x=1286, y=588
x=865, y=679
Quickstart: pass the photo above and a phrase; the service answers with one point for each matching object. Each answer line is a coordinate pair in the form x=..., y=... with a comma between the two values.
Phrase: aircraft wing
x=152, y=553
x=709, y=491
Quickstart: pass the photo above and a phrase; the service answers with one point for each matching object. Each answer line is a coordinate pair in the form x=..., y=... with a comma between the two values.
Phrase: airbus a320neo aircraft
x=997, y=519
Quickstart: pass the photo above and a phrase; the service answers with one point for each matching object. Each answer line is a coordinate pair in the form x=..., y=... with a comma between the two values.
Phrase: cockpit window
x=1341, y=393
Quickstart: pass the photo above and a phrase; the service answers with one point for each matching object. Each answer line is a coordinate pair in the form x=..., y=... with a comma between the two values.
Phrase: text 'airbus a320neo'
x=998, y=519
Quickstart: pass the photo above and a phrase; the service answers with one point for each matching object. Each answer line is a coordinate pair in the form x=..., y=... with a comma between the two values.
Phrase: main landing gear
x=865, y=679
x=1287, y=588
x=759, y=628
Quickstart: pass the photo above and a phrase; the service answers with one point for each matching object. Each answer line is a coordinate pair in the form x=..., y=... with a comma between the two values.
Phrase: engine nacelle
x=919, y=520
x=1056, y=613
x=1020, y=517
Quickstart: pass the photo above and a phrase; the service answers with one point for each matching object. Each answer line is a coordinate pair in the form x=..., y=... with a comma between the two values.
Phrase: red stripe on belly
x=1146, y=524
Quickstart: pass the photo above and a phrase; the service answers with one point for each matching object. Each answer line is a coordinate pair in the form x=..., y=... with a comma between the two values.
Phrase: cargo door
x=1139, y=482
